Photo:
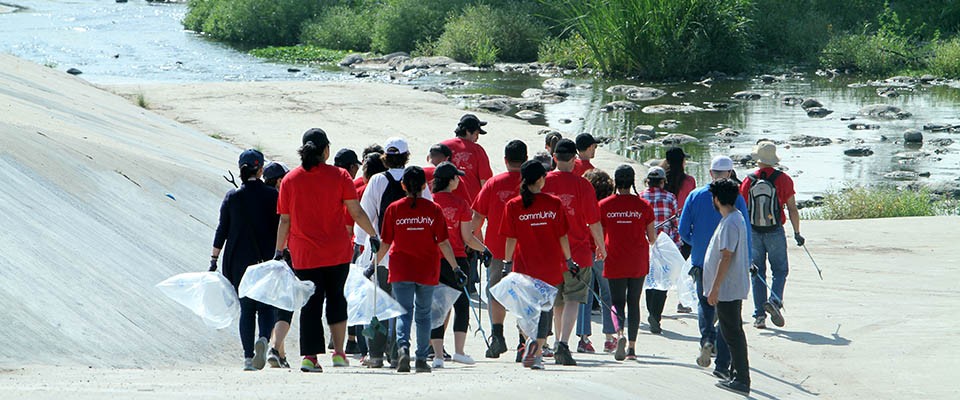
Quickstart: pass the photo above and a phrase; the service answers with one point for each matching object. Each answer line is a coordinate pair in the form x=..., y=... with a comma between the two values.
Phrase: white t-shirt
x=731, y=235
x=371, y=201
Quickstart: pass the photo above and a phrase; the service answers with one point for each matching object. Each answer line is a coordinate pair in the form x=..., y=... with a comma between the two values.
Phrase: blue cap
x=251, y=158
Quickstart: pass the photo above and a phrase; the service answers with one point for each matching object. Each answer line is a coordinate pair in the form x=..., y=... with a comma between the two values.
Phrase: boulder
x=768, y=79
x=913, y=136
x=888, y=93
x=927, y=78
x=884, y=111
x=528, y=115
x=747, y=95
x=565, y=120
x=792, y=100
x=942, y=142
x=532, y=93
x=621, y=89
x=728, y=132
x=671, y=108
x=391, y=56
x=679, y=94
x=639, y=138
x=809, y=141
x=494, y=105
x=547, y=131
x=556, y=84
x=818, y=112
x=351, y=59
x=645, y=130
x=645, y=94
x=742, y=159
x=668, y=124
x=861, y=126
x=424, y=63
x=678, y=139
x=74, y=71
x=901, y=175
x=858, y=152
x=620, y=105
x=811, y=103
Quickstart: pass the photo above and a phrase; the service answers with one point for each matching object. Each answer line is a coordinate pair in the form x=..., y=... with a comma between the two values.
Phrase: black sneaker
x=775, y=316
x=735, y=386
x=521, y=350
x=403, y=362
x=422, y=367
x=352, y=347
x=498, y=346
x=654, y=325
x=562, y=355
x=621, y=353
x=530, y=358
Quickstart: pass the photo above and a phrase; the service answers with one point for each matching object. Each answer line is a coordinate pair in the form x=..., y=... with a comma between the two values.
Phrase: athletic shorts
x=575, y=288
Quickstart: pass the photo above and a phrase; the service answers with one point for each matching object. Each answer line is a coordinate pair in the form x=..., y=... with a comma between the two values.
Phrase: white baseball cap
x=396, y=145
x=721, y=163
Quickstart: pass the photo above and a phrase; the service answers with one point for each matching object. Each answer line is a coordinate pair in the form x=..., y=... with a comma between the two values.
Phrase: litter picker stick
x=764, y=282
x=476, y=316
x=613, y=310
x=819, y=271
x=669, y=220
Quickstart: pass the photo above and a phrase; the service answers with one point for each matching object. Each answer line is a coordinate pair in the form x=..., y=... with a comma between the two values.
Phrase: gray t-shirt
x=731, y=235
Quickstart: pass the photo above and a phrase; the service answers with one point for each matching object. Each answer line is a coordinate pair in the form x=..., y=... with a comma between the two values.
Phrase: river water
x=140, y=42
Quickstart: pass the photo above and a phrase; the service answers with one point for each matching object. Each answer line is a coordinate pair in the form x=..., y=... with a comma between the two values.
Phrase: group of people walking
x=554, y=217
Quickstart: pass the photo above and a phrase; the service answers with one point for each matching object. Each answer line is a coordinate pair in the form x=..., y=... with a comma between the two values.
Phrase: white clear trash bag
x=687, y=288
x=274, y=283
x=208, y=294
x=526, y=297
x=360, y=300
x=443, y=298
x=666, y=264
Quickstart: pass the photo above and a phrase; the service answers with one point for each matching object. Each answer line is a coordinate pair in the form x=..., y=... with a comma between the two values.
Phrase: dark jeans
x=253, y=313
x=626, y=292
x=656, y=299
x=329, y=282
x=731, y=327
x=708, y=332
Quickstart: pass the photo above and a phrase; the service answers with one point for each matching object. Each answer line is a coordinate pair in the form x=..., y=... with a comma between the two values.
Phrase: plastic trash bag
x=443, y=298
x=666, y=264
x=526, y=297
x=208, y=294
x=274, y=283
x=687, y=288
x=361, y=294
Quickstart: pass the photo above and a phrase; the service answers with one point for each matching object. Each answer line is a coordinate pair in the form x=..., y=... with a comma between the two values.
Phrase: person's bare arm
x=511, y=246
x=596, y=230
x=477, y=223
x=652, y=233
x=360, y=217
x=447, y=252
x=466, y=232
x=283, y=230
x=383, y=252
x=565, y=247
x=726, y=258
x=794, y=213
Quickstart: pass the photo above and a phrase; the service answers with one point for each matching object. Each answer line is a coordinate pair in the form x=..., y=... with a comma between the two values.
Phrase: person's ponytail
x=526, y=195
x=310, y=155
x=413, y=181
x=248, y=171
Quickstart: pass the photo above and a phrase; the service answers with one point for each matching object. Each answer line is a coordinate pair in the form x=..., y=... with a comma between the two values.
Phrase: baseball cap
x=251, y=157
x=317, y=136
x=441, y=148
x=585, y=140
x=565, y=146
x=447, y=170
x=624, y=173
x=396, y=145
x=345, y=158
x=656, y=173
x=471, y=122
x=721, y=163
x=515, y=151
x=675, y=154
x=274, y=170
x=531, y=170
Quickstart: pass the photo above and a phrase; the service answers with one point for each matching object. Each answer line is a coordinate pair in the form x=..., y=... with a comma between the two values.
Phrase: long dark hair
x=675, y=175
x=626, y=184
x=310, y=154
x=372, y=165
x=413, y=180
x=441, y=184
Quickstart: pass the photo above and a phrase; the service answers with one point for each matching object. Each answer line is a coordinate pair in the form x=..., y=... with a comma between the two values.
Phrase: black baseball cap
x=441, y=148
x=252, y=158
x=345, y=158
x=624, y=173
x=565, y=146
x=447, y=170
x=470, y=122
x=274, y=170
x=317, y=136
x=515, y=151
x=584, y=141
x=531, y=170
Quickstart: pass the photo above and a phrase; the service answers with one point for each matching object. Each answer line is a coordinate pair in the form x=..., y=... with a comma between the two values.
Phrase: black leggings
x=626, y=292
x=253, y=313
x=329, y=282
x=461, y=309
x=656, y=299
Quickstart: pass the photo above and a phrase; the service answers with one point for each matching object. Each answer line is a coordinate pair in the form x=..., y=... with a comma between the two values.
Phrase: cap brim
x=483, y=123
x=483, y=132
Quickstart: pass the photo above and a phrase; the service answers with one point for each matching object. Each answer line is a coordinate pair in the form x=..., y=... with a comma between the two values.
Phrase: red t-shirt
x=784, y=185
x=456, y=211
x=413, y=234
x=491, y=201
x=314, y=200
x=359, y=182
x=538, y=230
x=580, y=201
x=581, y=167
x=472, y=159
x=688, y=185
x=625, y=218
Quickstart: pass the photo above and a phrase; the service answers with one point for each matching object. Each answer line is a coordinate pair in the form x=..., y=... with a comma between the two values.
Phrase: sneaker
x=403, y=362
x=423, y=368
x=775, y=315
x=537, y=363
x=621, y=352
x=705, y=351
x=530, y=356
x=340, y=360
x=736, y=387
x=498, y=346
x=521, y=350
x=562, y=355
x=654, y=325
x=310, y=365
x=585, y=346
x=760, y=322
x=631, y=355
x=248, y=364
x=683, y=310
x=722, y=375
x=372, y=362
x=463, y=359
x=274, y=358
x=352, y=347
x=609, y=346
x=437, y=364
x=260, y=349
x=546, y=351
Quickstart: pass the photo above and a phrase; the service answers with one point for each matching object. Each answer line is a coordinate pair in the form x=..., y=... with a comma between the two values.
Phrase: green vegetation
x=946, y=58
x=339, y=28
x=142, y=100
x=881, y=202
x=571, y=52
x=483, y=34
x=300, y=54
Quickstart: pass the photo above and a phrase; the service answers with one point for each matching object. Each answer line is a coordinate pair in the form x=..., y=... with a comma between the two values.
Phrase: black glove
x=486, y=257
x=573, y=267
x=461, y=276
x=278, y=255
x=368, y=271
x=287, y=258
x=374, y=244
x=507, y=268
x=753, y=270
x=213, y=264
x=800, y=240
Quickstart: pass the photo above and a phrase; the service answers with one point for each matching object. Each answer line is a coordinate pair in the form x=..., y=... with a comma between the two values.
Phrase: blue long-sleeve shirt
x=699, y=220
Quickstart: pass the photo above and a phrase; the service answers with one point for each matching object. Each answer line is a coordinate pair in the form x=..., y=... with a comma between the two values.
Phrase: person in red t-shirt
x=310, y=205
x=489, y=205
x=771, y=244
x=628, y=231
x=438, y=154
x=680, y=184
x=535, y=228
x=458, y=215
x=586, y=151
x=415, y=234
x=583, y=213
x=469, y=156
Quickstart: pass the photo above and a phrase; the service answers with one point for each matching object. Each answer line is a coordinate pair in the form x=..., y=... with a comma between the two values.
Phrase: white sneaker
x=463, y=359
x=248, y=364
x=437, y=362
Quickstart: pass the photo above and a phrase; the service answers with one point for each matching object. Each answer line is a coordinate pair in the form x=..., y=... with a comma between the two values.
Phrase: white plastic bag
x=687, y=288
x=208, y=294
x=526, y=297
x=360, y=300
x=274, y=283
x=666, y=264
x=443, y=298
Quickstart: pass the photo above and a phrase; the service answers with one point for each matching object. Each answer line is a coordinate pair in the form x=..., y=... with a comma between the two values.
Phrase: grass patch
x=881, y=202
x=339, y=28
x=300, y=54
x=216, y=136
x=141, y=100
x=572, y=52
x=946, y=59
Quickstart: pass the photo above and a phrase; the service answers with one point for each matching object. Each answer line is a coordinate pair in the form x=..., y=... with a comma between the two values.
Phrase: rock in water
x=495, y=105
x=811, y=103
x=728, y=132
x=532, y=93
x=351, y=59
x=668, y=124
x=901, y=175
x=809, y=141
x=645, y=94
x=747, y=95
x=556, y=84
x=671, y=108
x=74, y=71
x=884, y=111
x=860, y=127
x=678, y=139
x=913, y=136
x=528, y=115
x=942, y=142
x=648, y=130
x=620, y=105
x=818, y=112
x=858, y=152
x=792, y=100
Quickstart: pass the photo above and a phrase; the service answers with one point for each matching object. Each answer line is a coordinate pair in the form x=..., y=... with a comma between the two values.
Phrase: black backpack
x=764, y=207
x=393, y=192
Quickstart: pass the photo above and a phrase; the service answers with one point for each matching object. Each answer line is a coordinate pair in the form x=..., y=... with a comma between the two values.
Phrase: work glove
x=486, y=257
x=507, y=268
x=278, y=255
x=800, y=240
x=374, y=244
x=287, y=258
x=461, y=276
x=368, y=271
x=213, y=265
x=753, y=270
x=573, y=267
